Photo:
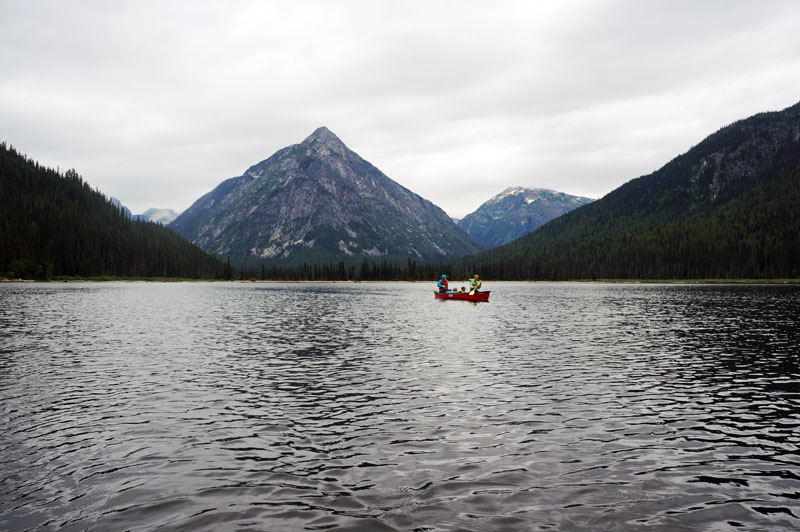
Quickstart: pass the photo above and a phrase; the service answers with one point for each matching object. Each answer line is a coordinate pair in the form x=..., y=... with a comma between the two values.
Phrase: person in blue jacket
x=442, y=284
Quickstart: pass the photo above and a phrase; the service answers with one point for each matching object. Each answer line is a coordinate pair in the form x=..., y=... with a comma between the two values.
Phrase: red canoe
x=478, y=296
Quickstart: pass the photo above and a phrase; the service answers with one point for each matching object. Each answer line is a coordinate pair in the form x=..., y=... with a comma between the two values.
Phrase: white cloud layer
x=157, y=102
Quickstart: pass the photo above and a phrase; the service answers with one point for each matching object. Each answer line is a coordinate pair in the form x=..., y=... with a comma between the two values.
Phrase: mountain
x=159, y=216
x=53, y=225
x=316, y=202
x=515, y=212
x=727, y=208
x=118, y=204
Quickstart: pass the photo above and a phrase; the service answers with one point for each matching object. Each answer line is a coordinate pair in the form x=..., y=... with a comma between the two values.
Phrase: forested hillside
x=56, y=225
x=728, y=208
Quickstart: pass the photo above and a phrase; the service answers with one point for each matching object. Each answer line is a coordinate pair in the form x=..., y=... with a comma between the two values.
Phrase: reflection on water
x=375, y=407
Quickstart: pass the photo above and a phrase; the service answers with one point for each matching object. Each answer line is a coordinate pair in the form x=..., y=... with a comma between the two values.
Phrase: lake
x=374, y=407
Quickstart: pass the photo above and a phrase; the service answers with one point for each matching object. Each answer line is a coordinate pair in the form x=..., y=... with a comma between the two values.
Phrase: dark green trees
x=728, y=208
x=56, y=225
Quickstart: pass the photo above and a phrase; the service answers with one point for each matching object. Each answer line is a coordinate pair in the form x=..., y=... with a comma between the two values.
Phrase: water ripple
x=374, y=407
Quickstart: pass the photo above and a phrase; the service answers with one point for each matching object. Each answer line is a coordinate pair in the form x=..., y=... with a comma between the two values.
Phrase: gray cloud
x=155, y=103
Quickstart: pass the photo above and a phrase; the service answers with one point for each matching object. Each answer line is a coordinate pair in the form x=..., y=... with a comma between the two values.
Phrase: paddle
x=475, y=287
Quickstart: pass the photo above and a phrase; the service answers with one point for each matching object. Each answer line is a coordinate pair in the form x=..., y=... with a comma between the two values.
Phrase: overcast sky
x=155, y=103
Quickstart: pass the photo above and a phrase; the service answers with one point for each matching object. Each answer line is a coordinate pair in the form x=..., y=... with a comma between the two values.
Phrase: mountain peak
x=324, y=135
x=526, y=193
x=323, y=142
x=319, y=201
x=515, y=212
x=727, y=208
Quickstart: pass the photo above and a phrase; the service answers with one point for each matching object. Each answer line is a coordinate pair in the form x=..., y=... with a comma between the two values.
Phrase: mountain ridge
x=159, y=216
x=515, y=212
x=54, y=224
x=729, y=207
x=318, y=201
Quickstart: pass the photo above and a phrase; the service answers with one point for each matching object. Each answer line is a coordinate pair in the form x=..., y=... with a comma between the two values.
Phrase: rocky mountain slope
x=727, y=208
x=318, y=201
x=515, y=212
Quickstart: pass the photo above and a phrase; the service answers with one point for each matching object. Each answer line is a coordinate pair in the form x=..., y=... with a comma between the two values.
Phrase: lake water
x=372, y=407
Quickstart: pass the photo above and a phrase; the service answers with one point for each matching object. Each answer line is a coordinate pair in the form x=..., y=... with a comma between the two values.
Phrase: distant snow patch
x=511, y=191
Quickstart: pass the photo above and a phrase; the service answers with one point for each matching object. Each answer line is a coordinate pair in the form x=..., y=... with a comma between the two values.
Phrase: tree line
x=54, y=224
x=750, y=231
x=367, y=270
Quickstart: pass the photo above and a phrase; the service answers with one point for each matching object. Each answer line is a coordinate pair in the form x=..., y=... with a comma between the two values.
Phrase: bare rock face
x=318, y=201
x=515, y=212
x=728, y=159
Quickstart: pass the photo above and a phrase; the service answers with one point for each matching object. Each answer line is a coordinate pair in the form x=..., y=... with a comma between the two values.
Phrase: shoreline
x=272, y=281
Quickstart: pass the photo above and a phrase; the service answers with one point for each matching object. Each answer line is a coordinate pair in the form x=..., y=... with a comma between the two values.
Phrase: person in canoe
x=442, y=284
x=476, y=284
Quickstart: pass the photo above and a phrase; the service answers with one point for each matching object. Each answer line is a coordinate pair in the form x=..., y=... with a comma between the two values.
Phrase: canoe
x=479, y=296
